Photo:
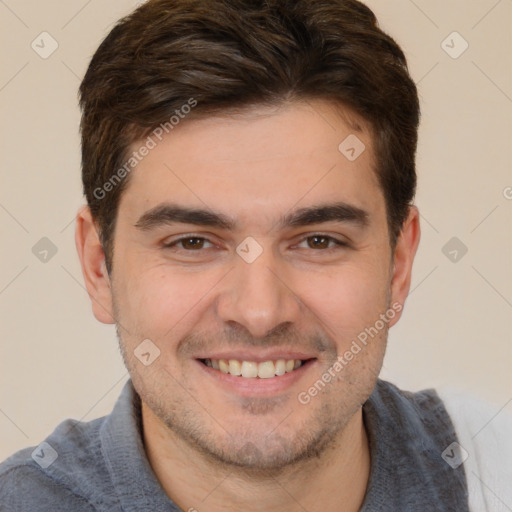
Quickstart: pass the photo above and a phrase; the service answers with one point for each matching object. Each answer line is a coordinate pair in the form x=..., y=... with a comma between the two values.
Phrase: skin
x=212, y=445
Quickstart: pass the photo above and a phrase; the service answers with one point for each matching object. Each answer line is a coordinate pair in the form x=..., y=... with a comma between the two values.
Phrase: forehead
x=259, y=161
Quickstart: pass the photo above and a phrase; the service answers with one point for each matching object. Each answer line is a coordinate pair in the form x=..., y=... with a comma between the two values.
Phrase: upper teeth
x=248, y=369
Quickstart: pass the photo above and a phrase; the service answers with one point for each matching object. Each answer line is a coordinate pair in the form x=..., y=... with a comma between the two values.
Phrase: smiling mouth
x=253, y=369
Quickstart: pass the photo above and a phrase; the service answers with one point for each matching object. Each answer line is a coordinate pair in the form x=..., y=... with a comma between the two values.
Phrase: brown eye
x=322, y=243
x=188, y=244
x=192, y=243
x=318, y=242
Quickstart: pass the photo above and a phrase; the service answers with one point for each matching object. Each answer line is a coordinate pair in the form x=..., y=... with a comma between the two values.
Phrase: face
x=250, y=244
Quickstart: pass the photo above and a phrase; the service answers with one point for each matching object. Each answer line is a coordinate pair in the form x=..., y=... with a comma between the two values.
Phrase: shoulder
x=466, y=437
x=407, y=433
x=24, y=488
x=481, y=445
x=484, y=433
x=423, y=407
x=58, y=474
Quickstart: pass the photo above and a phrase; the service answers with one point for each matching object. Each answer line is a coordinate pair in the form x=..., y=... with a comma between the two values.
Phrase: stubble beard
x=258, y=454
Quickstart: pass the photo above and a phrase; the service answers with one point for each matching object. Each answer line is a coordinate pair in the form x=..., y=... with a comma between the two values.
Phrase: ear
x=92, y=260
x=404, y=253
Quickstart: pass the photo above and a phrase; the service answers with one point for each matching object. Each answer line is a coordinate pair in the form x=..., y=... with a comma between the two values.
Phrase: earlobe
x=405, y=251
x=92, y=260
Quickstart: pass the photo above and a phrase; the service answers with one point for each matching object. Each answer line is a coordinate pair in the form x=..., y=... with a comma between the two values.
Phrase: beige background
x=57, y=361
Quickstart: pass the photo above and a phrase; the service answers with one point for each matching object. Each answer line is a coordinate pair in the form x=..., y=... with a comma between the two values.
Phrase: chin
x=261, y=450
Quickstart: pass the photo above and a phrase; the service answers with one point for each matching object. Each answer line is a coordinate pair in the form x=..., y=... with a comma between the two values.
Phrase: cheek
x=157, y=301
x=346, y=300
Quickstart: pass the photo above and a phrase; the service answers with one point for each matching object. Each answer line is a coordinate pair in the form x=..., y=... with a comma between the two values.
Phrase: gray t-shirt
x=101, y=465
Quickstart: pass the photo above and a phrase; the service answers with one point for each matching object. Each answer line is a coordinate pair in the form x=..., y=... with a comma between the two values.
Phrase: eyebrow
x=172, y=214
x=167, y=213
x=338, y=212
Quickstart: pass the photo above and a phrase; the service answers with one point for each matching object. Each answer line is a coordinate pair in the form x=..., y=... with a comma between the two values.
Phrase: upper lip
x=259, y=356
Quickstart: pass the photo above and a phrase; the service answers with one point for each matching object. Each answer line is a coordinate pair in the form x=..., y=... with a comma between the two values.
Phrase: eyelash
x=337, y=243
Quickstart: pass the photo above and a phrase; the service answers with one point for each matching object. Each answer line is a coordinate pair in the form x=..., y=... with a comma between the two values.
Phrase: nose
x=256, y=296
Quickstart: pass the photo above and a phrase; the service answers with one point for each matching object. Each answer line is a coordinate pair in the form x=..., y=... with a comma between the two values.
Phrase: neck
x=338, y=477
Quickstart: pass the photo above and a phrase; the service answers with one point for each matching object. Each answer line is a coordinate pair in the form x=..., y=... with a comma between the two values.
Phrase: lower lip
x=255, y=386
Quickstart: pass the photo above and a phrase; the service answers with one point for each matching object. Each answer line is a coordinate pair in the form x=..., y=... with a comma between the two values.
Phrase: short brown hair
x=233, y=54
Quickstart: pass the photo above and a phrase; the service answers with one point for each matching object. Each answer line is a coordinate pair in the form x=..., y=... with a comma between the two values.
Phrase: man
x=249, y=169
